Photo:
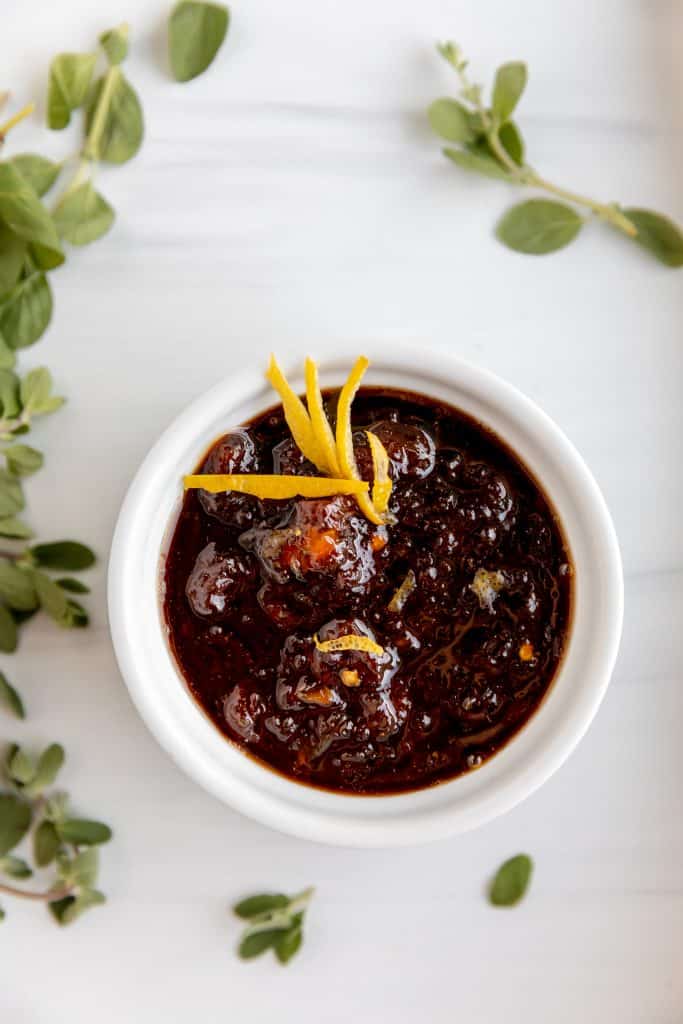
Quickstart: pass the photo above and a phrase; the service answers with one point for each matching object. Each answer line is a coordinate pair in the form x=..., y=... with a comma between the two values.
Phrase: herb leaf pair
x=58, y=837
x=490, y=143
x=275, y=921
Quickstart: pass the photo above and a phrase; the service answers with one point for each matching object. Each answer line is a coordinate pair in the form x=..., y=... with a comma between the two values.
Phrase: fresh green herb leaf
x=10, y=698
x=115, y=44
x=72, y=586
x=15, y=867
x=14, y=528
x=38, y=171
x=477, y=161
x=195, y=35
x=21, y=767
x=36, y=395
x=11, y=494
x=253, y=945
x=46, y=843
x=81, y=869
x=52, y=599
x=288, y=944
x=26, y=311
x=78, y=616
x=24, y=214
x=8, y=357
x=68, y=909
x=539, y=226
x=16, y=587
x=9, y=394
x=508, y=87
x=511, y=881
x=8, y=632
x=15, y=821
x=63, y=554
x=69, y=82
x=114, y=123
x=658, y=235
x=512, y=142
x=254, y=905
x=82, y=216
x=47, y=769
x=23, y=460
x=12, y=256
x=82, y=832
x=451, y=121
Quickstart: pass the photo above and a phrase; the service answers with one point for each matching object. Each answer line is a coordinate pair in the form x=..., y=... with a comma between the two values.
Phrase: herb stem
x=91, y=148
x=526, y=175
x=19, y=116
x=45, y=897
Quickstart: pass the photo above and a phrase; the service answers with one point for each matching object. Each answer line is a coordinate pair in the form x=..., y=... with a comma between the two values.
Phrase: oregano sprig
x=489, y=142
x=274, y=921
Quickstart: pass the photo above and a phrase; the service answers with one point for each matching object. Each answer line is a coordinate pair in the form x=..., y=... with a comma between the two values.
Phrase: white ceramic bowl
x=157, y=688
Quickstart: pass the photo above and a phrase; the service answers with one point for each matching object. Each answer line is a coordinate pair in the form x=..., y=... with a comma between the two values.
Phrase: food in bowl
x=370, y=593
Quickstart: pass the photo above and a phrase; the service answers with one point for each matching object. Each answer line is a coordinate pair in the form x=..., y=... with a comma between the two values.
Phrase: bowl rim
x=392, y=819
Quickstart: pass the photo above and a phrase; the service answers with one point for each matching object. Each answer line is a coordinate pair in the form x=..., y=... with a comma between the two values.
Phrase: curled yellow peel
x=403, y=592
x=348, y=642
x=319, y=422
x=345, y=453
x=274, y=486
x=298, y=420
x=381, y=488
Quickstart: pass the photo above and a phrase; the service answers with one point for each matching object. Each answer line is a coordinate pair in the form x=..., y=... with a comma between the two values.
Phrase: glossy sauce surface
x=471, y=641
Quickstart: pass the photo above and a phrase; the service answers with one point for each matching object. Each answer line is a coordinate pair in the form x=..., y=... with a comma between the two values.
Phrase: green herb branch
x=274, y=921
x=491, y=144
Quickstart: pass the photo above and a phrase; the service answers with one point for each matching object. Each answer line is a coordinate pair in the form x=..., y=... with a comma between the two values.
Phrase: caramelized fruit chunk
x=234, y=453
x=217, y=580
x=411, y=450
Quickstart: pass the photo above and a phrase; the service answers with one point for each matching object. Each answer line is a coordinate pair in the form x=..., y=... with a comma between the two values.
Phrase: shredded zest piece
x=381, y=488
x=486, y=586
x=274, y=486
x=348, y=642
x=345, y=453
x=349, y=677
x=401, y=595
x=298, y=420
x=319, y=422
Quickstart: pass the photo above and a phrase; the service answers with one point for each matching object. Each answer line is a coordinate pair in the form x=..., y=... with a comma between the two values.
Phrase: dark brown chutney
x=467, y=658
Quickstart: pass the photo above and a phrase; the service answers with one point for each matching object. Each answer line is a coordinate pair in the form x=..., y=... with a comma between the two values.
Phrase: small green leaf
x=23, y=460
x=512, y=142
x=80, y=870
x=26, y=311
x=82, y=216
x=508, y=87
x=52, y=599
x=24, y=215
x=15, y=867
x=72, y=586
x=257, y=943
x=14, y=528
x=9, y=394
x=63, y=554
x=16, y=587
x=114, y=123
x=539, y=226
x=511, y=881
x=82, y=832
x=35, y=392
x=8, y=632
x=11, y=494
x=20, y=767
x=68, y=909
x=253, y=905
x=479, y=162
x=78, y=616
x=10, y=698
x=8, y=357
x=195, y=35
x=658, y=235
x=56, y=807
x=288, y=944
x=115, y=44
x=15, y=821
x=69, y=82
x=451, y=120
x=47, y=769
x=12, y=256
x=38, y=171
x=46, y=843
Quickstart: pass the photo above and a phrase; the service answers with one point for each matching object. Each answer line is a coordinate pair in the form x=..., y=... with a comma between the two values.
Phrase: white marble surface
x=293, y=199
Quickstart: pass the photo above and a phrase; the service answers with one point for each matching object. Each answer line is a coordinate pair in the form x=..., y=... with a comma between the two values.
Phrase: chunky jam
x=466, y=596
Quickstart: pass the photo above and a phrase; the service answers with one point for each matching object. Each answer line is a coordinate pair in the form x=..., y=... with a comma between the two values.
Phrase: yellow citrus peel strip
x=298, y=420
x=345, y=453
x=319, y=422
x=348, y=642
x=402, y=594
x=273, y=485
x=381, y=488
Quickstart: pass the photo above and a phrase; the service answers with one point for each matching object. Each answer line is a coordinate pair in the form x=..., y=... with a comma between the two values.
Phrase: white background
x=293, y=199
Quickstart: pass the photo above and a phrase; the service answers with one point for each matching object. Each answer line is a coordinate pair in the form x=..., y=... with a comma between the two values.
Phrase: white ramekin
x=180, y=726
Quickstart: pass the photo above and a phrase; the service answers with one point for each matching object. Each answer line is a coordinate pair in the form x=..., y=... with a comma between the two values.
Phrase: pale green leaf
x=69, y=82
x=539, y=226
x=195, y=34
x=83, y=215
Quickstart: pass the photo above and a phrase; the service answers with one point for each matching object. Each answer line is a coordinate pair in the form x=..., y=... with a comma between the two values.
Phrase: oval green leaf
x=12, y=256
x=11, y=494
x=508, y=87
x=47, y=769
x=24, y=214
x=479, y=162
x=253, y=905
x=15, y=821
x=15, y=867
x=511, y=881
x=512, y=142
x=38, y=171
x=26, y=311
x=115, y=44
x=82, y=216
x=539, y=226
x=114, y=123
x=71, y=585
x=46, y=842
x=658, y=235
x=83, y=832
x=195, y=34
x=288, y=944
x=451, y=120
x=68, y=85
x=8, y=631
x=16, y=587
x=23, y=460
x=10, y=698
x=63, y=554
x=257, y=943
